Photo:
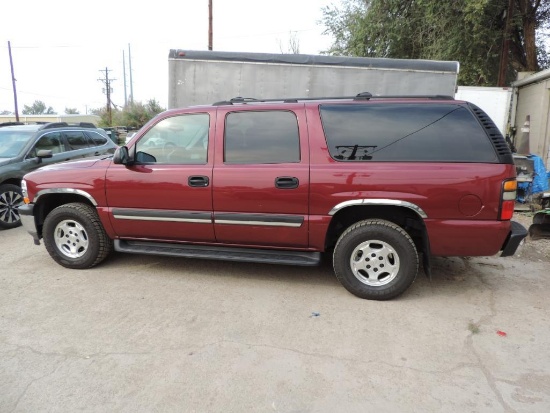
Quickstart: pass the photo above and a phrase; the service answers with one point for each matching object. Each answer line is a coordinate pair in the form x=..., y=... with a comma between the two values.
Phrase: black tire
x=375, y=259
x=10, y=198
x=74, y=236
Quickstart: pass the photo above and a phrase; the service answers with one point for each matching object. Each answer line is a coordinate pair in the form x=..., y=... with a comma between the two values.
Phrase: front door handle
x=198, y=181
x=286, y=182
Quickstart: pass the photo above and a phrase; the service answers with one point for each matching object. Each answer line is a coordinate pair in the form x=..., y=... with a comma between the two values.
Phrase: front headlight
x=24, y=192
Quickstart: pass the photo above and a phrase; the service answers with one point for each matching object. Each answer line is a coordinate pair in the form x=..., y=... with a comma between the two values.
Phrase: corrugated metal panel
x=315, y=60
x=194, y=81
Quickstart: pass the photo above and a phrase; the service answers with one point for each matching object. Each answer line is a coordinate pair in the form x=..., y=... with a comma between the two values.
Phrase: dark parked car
x=24, y=148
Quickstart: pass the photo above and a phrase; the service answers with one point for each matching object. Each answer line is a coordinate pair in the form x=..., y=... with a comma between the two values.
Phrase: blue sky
x=59, y=50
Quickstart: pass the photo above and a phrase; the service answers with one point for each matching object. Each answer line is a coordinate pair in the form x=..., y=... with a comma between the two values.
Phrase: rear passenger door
x=261, y=177
x=98, y=143
x=78, y=145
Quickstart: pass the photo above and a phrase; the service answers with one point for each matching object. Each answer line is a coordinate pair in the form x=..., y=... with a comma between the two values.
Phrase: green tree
x=5, y=112
x=469, y=31
x=71, y=111
x=138, y=114
x=38, y=108
x=133, y=116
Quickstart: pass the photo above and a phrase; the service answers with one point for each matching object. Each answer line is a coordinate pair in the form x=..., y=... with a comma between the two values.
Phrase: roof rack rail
x=86, y=125
x=53, y=125
x=11, y=124
x=432, y=97
x=359, y=96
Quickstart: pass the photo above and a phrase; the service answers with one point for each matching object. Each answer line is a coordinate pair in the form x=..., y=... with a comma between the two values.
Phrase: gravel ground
x=160, y=334
x=532, y=250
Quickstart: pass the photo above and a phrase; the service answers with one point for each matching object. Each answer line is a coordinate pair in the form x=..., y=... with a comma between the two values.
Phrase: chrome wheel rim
x=9, y=201
x=71, y=238
x=374, y=263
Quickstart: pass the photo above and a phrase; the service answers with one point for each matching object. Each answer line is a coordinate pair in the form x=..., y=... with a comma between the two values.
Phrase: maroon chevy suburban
x=380, y=184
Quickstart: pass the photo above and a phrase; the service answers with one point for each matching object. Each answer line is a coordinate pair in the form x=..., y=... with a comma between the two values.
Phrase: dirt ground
x=532, y=250
x=161, y=334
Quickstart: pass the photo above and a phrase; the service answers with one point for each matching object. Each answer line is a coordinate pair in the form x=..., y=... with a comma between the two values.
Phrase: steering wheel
x=168, y=150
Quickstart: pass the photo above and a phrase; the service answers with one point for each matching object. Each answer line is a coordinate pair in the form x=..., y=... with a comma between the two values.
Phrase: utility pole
x=210, y=29
x=13, y=83
x=131, y=82
x=107, y=90
x=124, y=71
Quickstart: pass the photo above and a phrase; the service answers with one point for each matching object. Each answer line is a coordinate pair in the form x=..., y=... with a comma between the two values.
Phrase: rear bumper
x=27, y=219
x=514, y=239
x=474, y=238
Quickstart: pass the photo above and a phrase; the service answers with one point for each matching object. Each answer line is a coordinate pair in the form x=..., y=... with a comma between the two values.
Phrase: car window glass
x=13, y=141
x=405, y=132
x=50, y=141
x=96, y=138
x=76, y=140
x=263, y=137
x=176, y=140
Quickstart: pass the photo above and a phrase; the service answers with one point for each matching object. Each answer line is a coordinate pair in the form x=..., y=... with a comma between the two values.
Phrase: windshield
x=12, y=142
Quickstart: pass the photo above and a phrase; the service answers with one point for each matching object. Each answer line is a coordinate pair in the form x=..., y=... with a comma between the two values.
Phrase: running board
x=219, y=253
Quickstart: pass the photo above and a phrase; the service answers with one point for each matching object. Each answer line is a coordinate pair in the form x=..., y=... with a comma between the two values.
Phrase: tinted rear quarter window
x=405, y=132
x=96, y=138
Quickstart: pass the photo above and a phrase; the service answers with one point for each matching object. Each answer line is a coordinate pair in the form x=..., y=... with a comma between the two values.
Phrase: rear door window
x=76, y=140
x=405, y=132
x=262, y=137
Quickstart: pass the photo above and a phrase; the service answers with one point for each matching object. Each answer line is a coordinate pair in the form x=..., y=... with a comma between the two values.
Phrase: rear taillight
x=508, y=199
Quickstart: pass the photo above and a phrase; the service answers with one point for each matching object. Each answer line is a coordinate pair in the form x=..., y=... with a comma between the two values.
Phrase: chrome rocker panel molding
x=197, y=217
x=136, y=214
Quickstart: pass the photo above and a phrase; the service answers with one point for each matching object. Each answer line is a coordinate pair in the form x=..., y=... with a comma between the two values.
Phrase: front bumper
x=27, y=219
x=515, y=237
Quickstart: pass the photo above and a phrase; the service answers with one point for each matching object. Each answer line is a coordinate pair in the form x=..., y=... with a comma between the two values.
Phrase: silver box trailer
x=205, y=77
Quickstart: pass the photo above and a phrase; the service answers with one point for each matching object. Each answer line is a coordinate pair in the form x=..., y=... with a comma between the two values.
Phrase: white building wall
x=495, y=101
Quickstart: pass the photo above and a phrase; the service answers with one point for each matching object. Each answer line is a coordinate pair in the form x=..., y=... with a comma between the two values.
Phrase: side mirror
x=43, y=153
x=121, y=156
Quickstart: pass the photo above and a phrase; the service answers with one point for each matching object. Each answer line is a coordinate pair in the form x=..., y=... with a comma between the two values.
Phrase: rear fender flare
x=379, y=202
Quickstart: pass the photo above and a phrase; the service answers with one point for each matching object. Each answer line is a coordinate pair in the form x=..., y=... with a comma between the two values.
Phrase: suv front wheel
x=375, y=259
x=74, y=236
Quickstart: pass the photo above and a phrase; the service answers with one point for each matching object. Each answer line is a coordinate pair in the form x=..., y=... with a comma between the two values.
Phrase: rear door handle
x=286, y=182
x=198, y=181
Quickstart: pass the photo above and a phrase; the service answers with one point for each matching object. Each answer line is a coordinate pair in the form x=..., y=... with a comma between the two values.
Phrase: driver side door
x=166, y=194
x=52, y=141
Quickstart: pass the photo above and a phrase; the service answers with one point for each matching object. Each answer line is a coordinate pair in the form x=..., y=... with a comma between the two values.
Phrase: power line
x=107, y=90
x=45, y=47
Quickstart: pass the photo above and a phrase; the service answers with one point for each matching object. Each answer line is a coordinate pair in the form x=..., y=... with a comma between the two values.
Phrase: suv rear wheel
x=10, y=198
x=74, y=236
x=375, y=259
